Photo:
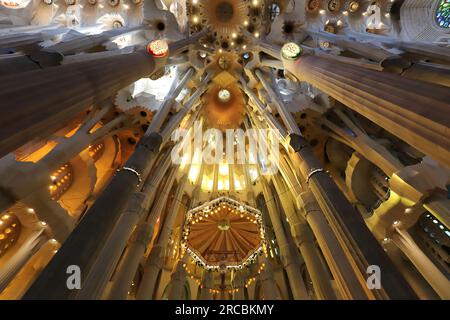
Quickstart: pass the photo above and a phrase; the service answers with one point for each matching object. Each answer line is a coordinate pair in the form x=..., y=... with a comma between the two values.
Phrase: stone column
x=169, y=101
x=305, y=242
x=421, y=49
x=268, y=284
x=111, y=252
x=290, y=262
x=84, y=243
x=20, y=258
x=138, y=205
x=177, y=281
x=88, y=237
x=17, y=287
x=155, y=259
x=399, y=105
x=348, y=225
x=20, y=40
x=138, y=244
x=40, y=102
x=152, y=268
x=410, y=272
x=438, y=281
x=85, y=42
x=346, y=222
x=16, y=183
x=348, y=278
x=238, y=284
x=207, y=283
x=366, y=50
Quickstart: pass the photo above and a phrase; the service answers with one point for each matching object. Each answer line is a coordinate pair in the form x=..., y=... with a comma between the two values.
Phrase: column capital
x=297, y=142
x=142, y=234
x=152, y=141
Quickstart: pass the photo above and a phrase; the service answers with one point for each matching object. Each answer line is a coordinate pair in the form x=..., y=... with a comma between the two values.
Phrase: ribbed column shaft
x=290, y=263
x=344, y=273
x=268, y=284
x=84, y=243
x=138, y=244
x=207, y=283
x=305, y=242
x=39, y=102
x=399, y=105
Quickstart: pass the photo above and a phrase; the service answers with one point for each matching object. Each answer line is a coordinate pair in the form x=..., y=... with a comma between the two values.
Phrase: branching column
x=348, y=278
x=155, y=259
x=207, y=284
x=290, y=262
x=40, y=102
x=438, y=281
x=399, y=105
x=140, y=202
x=238, y=285
x=178, y=281
x=346, y=222
x=138, y=243
x=268, y=285
x=82, y=247
x=305, y=242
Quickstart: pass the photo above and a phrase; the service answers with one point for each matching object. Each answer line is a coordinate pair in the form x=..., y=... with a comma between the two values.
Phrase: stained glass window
x=443, y=14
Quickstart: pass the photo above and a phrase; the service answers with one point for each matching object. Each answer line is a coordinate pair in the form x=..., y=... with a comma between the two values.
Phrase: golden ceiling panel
x=224, y=104
x=226, y=19
x=224, y=233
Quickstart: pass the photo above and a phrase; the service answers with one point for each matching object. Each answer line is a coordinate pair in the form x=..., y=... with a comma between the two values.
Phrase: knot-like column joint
x=297, y=142
x=152, y=141
x=142, y=234
x=313, y=172
x=132, y=170
x=308, y=203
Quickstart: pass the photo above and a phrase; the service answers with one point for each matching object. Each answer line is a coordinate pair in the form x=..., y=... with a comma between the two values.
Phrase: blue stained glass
x=443, y=14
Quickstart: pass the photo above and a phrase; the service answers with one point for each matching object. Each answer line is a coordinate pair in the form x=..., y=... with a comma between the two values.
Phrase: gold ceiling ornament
x=158, y=48
x=330, y=28
x=334, y=6
x=225, y=16
x=353, y=6
x=291, y=51
x=313, y=5
x=10, y=229
x=223, y=234
x=224, y=105
x=225, y=20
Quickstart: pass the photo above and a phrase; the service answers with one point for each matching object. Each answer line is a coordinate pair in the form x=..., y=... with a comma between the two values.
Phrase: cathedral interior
x=103, y=197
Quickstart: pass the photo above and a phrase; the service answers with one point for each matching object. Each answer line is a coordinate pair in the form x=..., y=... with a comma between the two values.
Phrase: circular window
x=117, y=24
x=291, y=51
x=274, y=11
x=334, y=5
x=158, y=48
x=443, y=14
x=353, y=7
x=224, y=95
x=313, y=5
x=113, y=3
x=224, y=11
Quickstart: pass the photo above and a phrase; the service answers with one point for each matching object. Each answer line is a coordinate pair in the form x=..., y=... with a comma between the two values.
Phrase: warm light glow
x=193, y=173
x=291, y=51
x=158, y=48
x=223, y=169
